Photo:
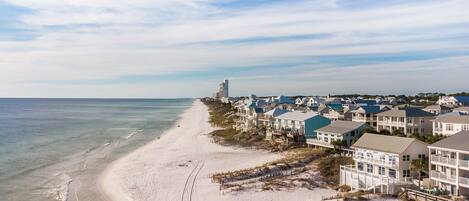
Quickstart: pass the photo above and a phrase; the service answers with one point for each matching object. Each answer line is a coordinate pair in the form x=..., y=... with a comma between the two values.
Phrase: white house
x=449, y=164
x=299, y=124
x=382, y=162
x=346, y=131
x=450, y=124
x=268, y=118
x=454, y=100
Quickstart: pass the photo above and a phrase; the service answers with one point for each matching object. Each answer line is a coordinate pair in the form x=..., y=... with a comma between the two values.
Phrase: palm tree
x=420, y=166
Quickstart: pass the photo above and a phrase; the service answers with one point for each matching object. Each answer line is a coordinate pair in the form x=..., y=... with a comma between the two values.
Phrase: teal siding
x=311, y=125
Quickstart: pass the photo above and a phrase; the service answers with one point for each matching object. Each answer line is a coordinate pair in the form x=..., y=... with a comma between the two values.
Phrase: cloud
x=95, y=43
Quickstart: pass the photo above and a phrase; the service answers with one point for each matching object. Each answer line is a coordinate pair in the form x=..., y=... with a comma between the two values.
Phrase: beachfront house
x=267, y=119
x=382, y=162
x=343, y=131
x=437, y=109
x=406, y=120
x=298, y=125
x=449, y=164
x=367, y=114
x=450, y=124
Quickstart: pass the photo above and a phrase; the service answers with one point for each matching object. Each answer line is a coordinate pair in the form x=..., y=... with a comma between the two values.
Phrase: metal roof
x=385, y=143
x=341, y=127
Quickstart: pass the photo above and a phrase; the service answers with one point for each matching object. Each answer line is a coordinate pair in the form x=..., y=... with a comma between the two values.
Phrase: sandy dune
x=178, y=166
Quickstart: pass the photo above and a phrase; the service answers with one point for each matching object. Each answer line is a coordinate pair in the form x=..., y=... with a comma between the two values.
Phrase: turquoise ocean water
x=53, y=149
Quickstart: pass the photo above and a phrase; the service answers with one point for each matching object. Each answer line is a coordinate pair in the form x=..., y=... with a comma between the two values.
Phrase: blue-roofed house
x=363, y=102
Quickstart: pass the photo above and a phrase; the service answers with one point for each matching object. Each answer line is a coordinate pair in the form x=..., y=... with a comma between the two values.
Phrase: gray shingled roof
x=458, y=119
x=385, y=143
x=437, y=107
x=461, y=109
x=341, y=127
x=458, y=141
x=406, y=112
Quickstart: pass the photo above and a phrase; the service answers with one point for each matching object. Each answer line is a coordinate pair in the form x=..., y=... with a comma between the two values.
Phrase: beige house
x=449, y=164
x=450, y=124
x=347, y=131
x=437, y=109
x=367, y=114
x=382, y=162
x=407, y=120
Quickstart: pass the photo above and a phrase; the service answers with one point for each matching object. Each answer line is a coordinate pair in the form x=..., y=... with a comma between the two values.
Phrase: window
x=465, y=127
x=406, y=158
x=326, y=139
x=360, y=166
x=421, y=156
x=449, y=127
x=369, y=168
x=405, y=173
x=381, y=171
x=392, y=173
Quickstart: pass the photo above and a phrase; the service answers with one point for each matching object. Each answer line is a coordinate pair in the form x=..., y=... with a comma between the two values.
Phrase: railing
x=441, y=176
x=438, y=129
x=464, y=164
x=319, y=143
x=464, y=181
x=444, y=160
x=375, y=161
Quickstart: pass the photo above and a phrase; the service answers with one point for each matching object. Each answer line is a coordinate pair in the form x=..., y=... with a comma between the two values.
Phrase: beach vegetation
x=329, y=167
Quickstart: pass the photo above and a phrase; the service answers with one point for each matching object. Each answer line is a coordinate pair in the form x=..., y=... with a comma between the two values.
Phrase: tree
x=420, y=166
x=339, y=144
x=398, y=133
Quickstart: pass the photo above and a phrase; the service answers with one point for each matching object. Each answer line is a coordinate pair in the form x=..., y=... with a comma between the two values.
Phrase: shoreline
x=178, y=165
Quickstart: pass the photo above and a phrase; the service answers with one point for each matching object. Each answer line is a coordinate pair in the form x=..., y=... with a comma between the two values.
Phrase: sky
x=184, y=48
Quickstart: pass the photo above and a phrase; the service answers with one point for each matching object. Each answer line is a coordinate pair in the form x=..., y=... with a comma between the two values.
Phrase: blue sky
x=183, y=48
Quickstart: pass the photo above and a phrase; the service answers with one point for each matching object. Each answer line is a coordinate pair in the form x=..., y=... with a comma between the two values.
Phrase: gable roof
x=458, y=119
x=276, y=112
x=297, y=115
x=385, y=143
x=335, y=106
x=458, y=141
x=406, y=112
x=341, y=127
x=370, y=109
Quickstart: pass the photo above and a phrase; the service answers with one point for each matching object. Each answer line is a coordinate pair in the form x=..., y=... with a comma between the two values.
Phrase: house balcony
x=464, y=181
x=376, y=162
x=393, y=123
x=320, y=143
x=443, y=160
x=464, y=164
x=364, y=119
x=438, y=129
x=442, y=177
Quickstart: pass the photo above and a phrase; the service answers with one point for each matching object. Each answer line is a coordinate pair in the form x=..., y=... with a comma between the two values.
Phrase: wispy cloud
x=153, y=43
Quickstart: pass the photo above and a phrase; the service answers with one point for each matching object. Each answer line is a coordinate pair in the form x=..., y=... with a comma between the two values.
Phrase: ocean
x=54, y=149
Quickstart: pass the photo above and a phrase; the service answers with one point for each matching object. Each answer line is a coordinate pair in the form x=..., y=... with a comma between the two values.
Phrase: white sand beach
x=179, y=164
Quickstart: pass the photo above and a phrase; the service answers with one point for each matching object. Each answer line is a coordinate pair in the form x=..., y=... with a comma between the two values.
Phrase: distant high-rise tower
x=222, y=90
x=225, y=89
